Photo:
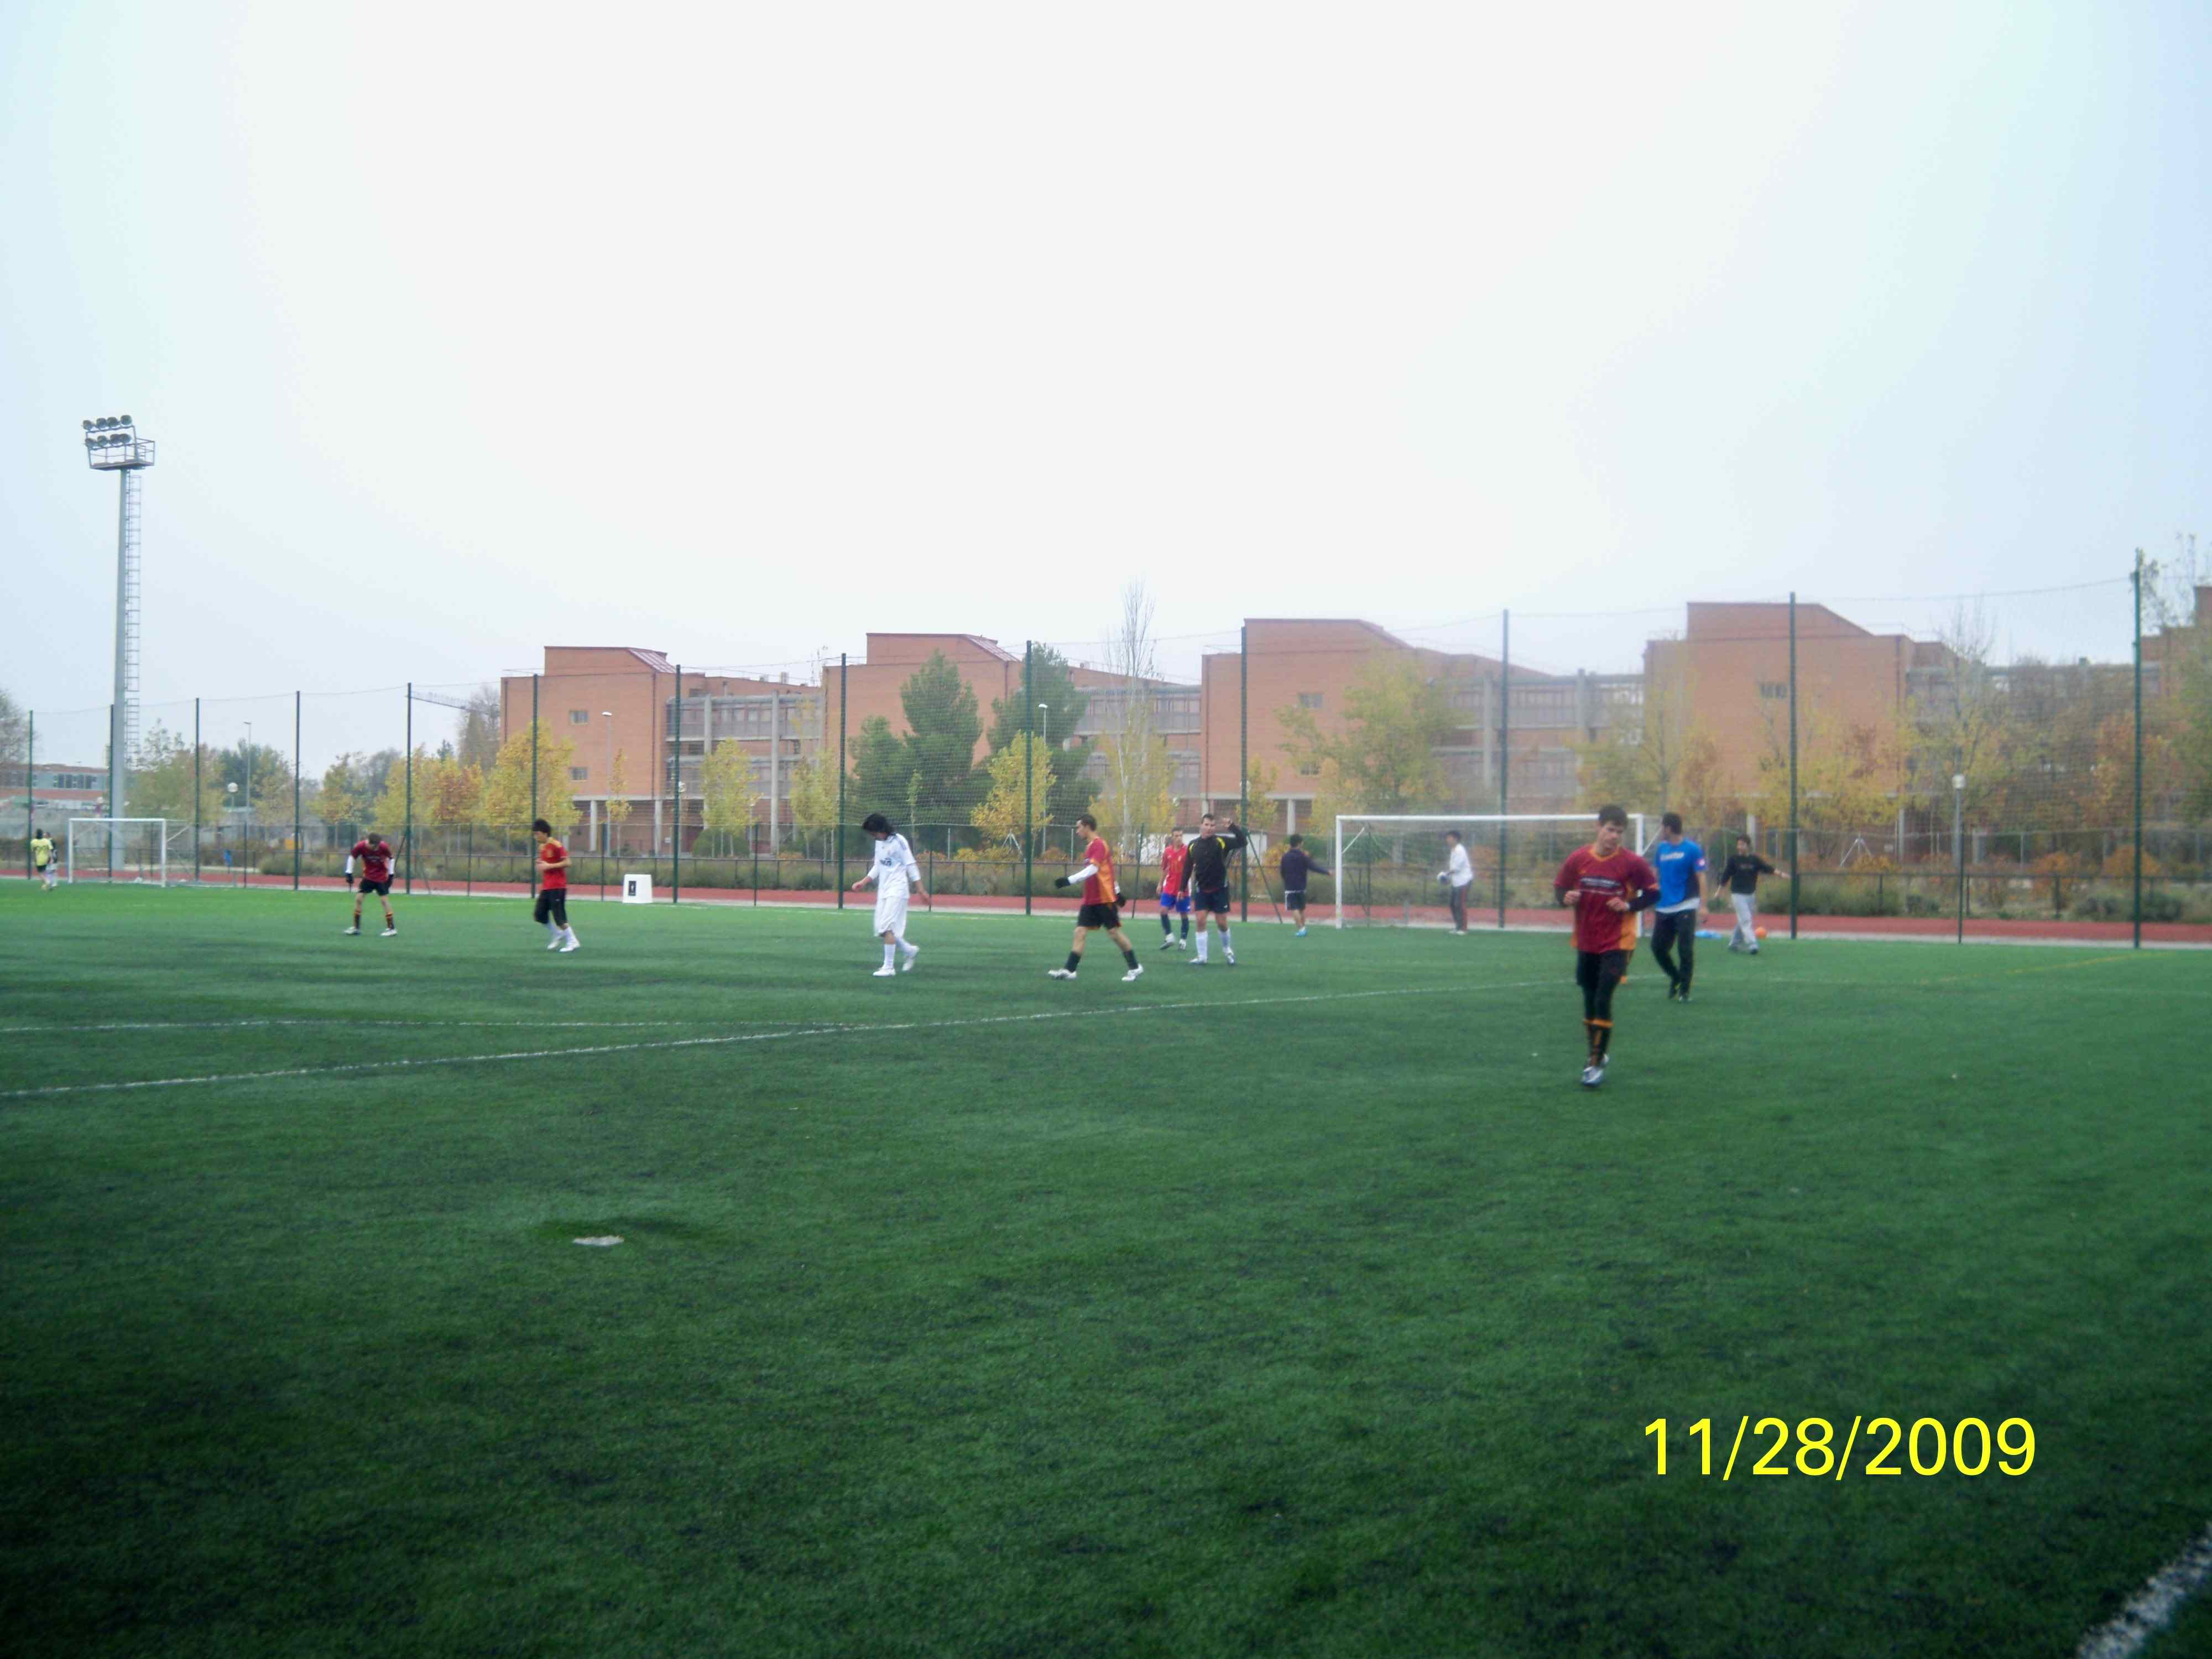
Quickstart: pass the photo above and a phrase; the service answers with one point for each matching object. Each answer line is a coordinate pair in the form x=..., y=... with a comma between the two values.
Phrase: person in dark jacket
x=1297, y=866
x=1740, y=880
x=1207, y=874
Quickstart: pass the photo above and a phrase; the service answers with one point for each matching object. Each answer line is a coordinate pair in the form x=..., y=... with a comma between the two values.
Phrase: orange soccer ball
x=1758, y=932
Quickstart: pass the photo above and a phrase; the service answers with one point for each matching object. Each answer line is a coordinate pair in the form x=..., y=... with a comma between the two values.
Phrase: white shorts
x=891, y=909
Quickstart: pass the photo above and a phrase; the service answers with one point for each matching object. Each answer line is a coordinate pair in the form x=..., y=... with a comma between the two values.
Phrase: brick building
x=622, y=699
x=1314, y=664
x=1730, y=670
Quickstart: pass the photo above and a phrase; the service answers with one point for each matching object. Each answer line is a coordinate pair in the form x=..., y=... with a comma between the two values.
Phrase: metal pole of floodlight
x=112, y=444
x=607, y=810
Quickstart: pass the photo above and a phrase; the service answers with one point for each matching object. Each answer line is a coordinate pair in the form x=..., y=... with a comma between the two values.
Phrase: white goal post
x=1403, y=854
x=107, y=846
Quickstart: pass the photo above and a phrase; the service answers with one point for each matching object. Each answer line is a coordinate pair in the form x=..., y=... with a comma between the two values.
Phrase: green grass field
x=1304, y=1308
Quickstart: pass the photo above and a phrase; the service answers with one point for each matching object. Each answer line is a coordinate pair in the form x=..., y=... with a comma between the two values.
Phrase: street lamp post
x=607, y=811
x=112, y=444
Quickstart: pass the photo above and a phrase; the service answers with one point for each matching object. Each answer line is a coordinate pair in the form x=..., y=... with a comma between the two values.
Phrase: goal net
x=1388, y=868
x=118, y=849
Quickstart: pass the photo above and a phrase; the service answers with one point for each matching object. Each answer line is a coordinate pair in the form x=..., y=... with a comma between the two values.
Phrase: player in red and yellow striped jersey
x=1101, y=903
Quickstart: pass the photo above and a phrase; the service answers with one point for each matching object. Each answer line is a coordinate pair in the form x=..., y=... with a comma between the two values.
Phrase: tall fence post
x=1504, y=756
x=298, y=824
x=1029, y=771
x=31, y=785
x=842, y=659
x=1244, y=765
x=195, y=789
x=1795, y=851
x=2139, y=751
x=676, y=792
x=533, y=772
x=1959, y=839
x=407, y=833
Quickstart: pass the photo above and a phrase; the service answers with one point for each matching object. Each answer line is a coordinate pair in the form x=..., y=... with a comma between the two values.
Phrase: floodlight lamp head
x=87, y=426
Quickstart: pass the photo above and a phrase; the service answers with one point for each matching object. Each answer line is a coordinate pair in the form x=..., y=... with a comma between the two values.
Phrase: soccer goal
x=1387, y=866
x=119, y=850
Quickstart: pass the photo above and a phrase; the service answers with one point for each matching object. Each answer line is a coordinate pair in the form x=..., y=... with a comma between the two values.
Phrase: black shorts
x=383, y=887
x=1216, y=902
x=1099, y=915
x=553, y=902
x=1673, y=927
x=1294, y=898
x=1593, y=968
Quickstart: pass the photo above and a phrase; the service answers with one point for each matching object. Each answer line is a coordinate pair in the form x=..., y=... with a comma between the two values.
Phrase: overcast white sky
x=738, y=331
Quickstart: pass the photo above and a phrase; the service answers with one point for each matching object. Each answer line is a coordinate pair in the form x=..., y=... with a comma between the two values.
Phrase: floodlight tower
x=112, y=444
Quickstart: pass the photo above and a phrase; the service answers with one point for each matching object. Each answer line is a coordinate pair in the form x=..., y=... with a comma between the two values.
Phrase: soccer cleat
x=1592, y=1076
x=570, y=944
x=1168, y=943
x=884, y=972
x=1301, y=934
x=391, y=933
x=1230, y=957
x=1136, y=972
x=553, y=945
x=912, y=956
x=351, y=933
x=1195, y=962
x=1060, y=973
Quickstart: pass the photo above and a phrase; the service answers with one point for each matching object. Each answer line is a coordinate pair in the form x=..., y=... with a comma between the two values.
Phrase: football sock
x=1186, y=926
x=888, y=952
x=1199, y=954
x=1224, y=939
x=1601, y=1035
x=1589, y=1035
x=1129, y=956
x=1074, y=961
x=1167, y=927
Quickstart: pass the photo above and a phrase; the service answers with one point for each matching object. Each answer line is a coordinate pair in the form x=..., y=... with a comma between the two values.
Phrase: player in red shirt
x=1175, y=897
x=372, y=857
x=1101, y=903
x=1605, y=884
x=553, y=887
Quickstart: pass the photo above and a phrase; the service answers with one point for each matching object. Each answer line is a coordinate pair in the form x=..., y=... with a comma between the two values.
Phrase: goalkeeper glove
x=1060, y=881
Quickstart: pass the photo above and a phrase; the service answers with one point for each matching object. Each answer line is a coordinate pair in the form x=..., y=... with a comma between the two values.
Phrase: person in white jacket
x=895, y=875
x=1458, y=875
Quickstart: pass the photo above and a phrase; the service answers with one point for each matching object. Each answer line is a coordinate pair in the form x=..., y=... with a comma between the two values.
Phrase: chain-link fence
x=2007, y=762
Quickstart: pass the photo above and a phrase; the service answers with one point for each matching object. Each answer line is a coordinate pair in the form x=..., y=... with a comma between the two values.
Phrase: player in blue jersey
x=1680, y=863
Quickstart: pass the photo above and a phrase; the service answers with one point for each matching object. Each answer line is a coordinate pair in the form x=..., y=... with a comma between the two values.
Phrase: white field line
x=2151, y=1607
x=403, y=1025
x=826, y=1029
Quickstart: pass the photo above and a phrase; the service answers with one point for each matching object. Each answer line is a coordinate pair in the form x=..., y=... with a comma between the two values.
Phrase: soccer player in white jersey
x=895, y=875
x=1458, y=875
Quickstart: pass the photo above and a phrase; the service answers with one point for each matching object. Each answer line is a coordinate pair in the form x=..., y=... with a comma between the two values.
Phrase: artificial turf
x=1307, y=1307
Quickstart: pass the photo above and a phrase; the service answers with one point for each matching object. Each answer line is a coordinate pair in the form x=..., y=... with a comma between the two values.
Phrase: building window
x=1774, y=690
x=578, y=773
x=1309, y=769
x=580, y=717
x=1309, y=699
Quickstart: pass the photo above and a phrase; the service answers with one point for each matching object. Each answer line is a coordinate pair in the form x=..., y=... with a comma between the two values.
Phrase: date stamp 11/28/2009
x=1969, y=1446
